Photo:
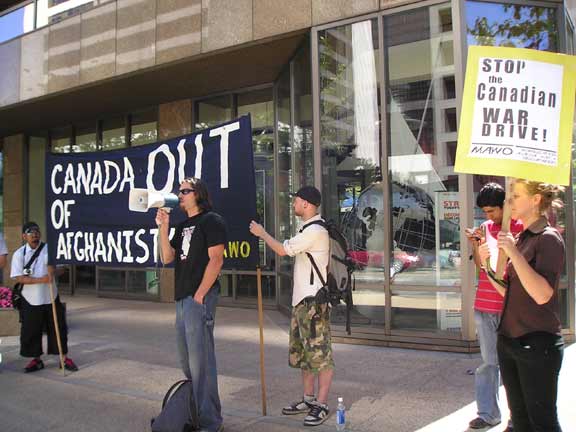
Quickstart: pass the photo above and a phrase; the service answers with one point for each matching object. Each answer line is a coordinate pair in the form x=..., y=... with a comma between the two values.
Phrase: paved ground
x=126, y=354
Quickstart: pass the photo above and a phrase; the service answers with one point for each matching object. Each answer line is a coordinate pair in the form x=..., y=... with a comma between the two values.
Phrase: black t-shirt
x=191, y=241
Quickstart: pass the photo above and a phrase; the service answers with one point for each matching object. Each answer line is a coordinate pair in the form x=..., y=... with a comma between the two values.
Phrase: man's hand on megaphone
x=162, y=217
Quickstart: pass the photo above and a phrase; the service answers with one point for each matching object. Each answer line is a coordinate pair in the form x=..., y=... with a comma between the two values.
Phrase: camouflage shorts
x=310, y=342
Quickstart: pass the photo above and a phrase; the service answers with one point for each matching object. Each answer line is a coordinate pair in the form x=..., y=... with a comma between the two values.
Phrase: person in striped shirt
x=488, y=307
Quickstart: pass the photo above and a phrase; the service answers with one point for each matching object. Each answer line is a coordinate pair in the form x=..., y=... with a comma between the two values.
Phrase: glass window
x=143, y=282
x=113, y=133
x=438, y=312
x=111, y=281
x=302, y=148
x=351, y=157
x=286, y=221
x=213, y=111
x=60, y=140
x=53, y=11
x=421, y=133
x=512, y=25
x=17, y=22
x=85, y=140
x=144, y=127
x=260, y=105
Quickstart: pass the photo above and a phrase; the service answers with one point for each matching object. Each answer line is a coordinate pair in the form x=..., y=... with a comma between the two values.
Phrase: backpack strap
x=33, y=257
x=320, y=222
x=323, y=224
x=172, y=390
x=316, y=268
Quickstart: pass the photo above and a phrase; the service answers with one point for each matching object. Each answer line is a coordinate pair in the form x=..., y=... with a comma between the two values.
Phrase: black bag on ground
x=17, y=289
x=178, y=410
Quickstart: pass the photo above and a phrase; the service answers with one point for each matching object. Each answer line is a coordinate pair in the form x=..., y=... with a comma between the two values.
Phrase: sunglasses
x=186, y=191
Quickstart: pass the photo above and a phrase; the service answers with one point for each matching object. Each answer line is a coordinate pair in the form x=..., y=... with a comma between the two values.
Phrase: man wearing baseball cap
x=310, y=343
x=30, y=268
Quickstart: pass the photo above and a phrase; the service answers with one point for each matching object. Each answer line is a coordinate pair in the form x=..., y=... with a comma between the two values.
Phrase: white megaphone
x=142, y=200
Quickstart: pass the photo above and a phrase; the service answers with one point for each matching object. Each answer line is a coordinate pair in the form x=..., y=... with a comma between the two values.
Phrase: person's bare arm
x=259, y=231
x=167, y=252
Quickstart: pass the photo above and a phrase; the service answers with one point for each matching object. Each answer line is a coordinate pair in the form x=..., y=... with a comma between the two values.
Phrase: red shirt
x=487, y=298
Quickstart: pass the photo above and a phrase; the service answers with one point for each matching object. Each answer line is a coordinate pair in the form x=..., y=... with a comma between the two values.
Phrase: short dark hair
x=28, y=226
x=201, y=192
x=491, y=195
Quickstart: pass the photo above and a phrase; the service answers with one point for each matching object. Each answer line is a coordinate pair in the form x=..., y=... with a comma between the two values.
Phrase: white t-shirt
x=314, y=240
x=35, y=294
x=3, y=248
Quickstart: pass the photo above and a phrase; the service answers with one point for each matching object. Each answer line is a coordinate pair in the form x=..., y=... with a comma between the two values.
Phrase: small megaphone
x=141, y=200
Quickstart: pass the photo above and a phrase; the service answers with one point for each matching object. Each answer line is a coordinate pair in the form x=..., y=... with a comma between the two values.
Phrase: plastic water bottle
x=340, y=415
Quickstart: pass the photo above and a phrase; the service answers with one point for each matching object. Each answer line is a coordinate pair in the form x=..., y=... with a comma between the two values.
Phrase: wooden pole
x=261, y=328
x=56, y=327
x=502, y=257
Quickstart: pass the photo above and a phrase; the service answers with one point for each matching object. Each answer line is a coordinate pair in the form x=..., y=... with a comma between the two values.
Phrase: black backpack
x=178, y=410
x=338, y=288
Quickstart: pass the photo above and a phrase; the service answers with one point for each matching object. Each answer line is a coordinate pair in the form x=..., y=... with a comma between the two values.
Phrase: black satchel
x=178, y=410
x=17, y=289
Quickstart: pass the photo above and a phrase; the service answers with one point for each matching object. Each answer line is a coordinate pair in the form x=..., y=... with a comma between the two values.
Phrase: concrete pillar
x=13, y=196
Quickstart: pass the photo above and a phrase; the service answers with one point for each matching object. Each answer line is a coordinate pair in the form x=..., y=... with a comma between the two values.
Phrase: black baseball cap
x=29, y=227
x=310, y=194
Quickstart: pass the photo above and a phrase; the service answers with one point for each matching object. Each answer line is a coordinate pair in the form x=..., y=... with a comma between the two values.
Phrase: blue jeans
x=195, y=339
x=487, y=375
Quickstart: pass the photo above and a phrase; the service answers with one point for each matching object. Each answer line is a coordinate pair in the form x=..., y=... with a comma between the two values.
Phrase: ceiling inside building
x=200, y=76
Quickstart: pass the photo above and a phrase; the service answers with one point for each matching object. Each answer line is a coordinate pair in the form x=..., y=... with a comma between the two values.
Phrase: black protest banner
x=88, y=219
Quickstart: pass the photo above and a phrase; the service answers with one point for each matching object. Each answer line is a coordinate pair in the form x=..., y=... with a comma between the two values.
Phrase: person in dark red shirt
x=488, y=307
x=530, y=344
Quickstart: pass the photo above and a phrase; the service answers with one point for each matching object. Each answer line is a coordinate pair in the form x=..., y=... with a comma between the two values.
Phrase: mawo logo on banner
x=87, y=196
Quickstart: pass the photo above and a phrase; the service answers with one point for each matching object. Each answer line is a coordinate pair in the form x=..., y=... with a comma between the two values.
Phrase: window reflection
x=511, y=25
x=85, y=138
x=259, y=104
x=421, y=112
x=113, y=133
x=17, y=22
x=351, y=160
x=144, y=127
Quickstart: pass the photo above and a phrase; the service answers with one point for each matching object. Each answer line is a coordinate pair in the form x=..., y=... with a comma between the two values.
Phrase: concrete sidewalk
x=127, y=359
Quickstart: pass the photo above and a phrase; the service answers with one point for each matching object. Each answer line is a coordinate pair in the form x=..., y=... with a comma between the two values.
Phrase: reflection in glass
x=144, y=127
x=113, y=133
x=53, y=11
x=60, y=140
x=351, y=160
x=247, y=287
x=286, y=219
x=439, y=312
x=213, y=111
x=511, y=25
x=421, y=109
x=17, y=22
x=111, y=280
x=302, y=148
x=85, y=139
x=259, y=104
x=144, y=282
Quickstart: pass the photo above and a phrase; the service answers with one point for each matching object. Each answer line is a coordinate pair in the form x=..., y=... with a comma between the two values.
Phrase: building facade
x=360, y=98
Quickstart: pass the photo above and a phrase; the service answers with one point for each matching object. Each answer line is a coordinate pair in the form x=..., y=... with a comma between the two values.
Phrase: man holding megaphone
x=198, y=251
